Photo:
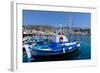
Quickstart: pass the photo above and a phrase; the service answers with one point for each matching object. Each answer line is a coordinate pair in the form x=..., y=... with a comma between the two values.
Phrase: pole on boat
x=61, y=30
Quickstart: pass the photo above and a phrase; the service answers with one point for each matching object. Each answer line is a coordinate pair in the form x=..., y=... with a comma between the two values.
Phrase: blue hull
x=51, y=55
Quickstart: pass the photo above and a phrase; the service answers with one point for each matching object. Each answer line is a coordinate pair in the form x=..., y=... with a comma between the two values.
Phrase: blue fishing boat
x=40, y=48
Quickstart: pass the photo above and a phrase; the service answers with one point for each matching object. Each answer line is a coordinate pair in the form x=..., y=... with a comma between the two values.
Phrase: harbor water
x=84, y=50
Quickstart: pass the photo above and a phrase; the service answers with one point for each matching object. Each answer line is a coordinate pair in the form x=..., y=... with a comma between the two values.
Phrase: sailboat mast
x=61, y=28
x=70, y=23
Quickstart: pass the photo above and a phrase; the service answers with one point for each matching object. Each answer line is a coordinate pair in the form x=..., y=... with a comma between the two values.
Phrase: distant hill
x=49, y=28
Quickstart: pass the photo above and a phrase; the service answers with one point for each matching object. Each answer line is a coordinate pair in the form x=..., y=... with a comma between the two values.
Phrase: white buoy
x=26, y=46
x=64, y=50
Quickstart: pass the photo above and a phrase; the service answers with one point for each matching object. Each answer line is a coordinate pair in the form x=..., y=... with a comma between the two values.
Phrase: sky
x=54, y=18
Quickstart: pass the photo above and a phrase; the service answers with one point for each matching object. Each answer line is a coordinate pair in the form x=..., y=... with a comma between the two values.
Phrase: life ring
x=61, y=39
